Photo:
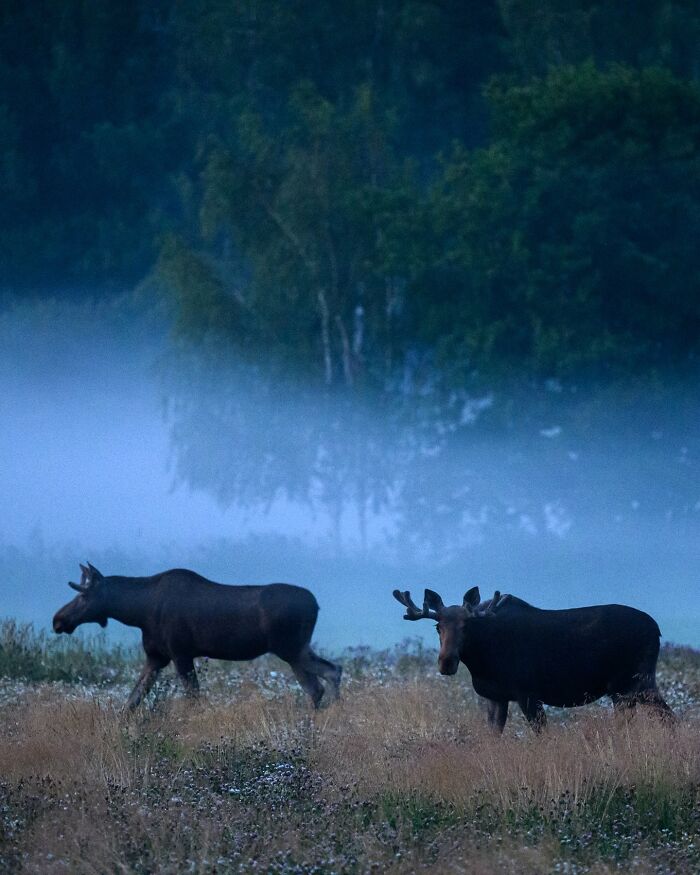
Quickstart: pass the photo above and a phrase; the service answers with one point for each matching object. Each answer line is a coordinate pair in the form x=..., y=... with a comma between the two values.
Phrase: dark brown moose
x=519, y=653
x=183, y=615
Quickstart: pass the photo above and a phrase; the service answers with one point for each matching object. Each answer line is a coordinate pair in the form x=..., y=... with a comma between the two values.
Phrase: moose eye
x=437, y=628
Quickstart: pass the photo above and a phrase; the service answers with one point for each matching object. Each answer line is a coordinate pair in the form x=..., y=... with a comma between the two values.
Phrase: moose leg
x=650, y=698
x=534, y=713
x=311, y=685
x=184, y=666
x=322, y=668
x=654, y=700
x=496, y=714
x=147, y=678
x=620, y=702
x=624, y=704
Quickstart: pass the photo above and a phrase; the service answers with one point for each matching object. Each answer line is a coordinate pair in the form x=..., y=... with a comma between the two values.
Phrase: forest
x=387, y=196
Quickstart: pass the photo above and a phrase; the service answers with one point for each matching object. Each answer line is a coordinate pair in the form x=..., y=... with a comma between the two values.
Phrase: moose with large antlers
x=182, y=616
x=519, y=653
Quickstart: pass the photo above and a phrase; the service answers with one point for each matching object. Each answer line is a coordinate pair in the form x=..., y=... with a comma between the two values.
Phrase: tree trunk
x=325, y=337
x=347, y=352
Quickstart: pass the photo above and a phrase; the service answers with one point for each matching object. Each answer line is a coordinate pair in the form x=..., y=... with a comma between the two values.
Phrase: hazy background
x=358, y=296
x=91, y=466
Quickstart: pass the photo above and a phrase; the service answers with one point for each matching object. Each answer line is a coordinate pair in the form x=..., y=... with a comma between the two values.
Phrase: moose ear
x=472, y=598
x=432, y=600
x=95, y=573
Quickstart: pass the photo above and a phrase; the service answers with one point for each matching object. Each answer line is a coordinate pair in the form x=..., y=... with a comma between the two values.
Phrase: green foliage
x=574, y=229
x=366, y=190
x=317, y=212
x=80, y=84
x=204, y=309
x=549, y=33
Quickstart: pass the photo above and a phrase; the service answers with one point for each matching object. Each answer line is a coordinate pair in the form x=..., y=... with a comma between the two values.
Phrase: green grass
x=34, y=655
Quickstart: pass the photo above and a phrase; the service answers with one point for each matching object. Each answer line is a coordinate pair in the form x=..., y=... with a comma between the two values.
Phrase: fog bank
x=108, y=456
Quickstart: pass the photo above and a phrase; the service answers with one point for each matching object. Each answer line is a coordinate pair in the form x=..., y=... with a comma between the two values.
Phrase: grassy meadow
x=400, y=775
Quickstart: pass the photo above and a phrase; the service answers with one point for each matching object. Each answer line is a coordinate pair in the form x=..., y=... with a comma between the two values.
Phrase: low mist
x=117, y=451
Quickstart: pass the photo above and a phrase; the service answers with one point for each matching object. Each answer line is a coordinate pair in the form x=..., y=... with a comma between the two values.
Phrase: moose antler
x=413, y=612
x=493, y=604
x=85, y=579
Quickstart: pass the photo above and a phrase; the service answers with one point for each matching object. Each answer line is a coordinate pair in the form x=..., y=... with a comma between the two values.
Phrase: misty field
x=399, y=776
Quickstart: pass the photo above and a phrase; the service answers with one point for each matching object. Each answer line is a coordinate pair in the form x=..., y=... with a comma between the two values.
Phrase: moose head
x=89, y=606
x=450, y=620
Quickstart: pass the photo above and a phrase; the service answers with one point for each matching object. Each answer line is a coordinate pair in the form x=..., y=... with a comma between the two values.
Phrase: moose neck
x=128, y=600
x=475, y=643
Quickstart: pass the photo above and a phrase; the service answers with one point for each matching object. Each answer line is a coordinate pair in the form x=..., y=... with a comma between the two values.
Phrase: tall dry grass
x=400, y=775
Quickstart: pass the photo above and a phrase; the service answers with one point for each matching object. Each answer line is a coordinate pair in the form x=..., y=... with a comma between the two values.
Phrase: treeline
x=375, y=191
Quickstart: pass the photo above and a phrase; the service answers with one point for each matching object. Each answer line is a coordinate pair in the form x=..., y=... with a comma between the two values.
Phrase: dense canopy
x=369, y=190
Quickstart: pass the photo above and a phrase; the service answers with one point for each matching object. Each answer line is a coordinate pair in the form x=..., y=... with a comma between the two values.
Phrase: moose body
x=183, y=616
x=516, y=652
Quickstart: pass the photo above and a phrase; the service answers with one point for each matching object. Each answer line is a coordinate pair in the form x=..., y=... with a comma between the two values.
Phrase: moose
x=183, y=615
x=516, y=652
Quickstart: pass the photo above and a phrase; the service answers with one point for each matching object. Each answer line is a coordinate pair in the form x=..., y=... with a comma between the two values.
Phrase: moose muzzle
x=448, y=665
x=61, y=625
